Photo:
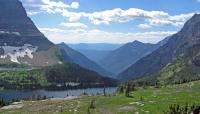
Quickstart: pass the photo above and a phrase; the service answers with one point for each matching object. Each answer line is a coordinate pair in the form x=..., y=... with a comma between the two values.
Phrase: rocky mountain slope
x=186, y=41
x=20, y=40
x=78, y=58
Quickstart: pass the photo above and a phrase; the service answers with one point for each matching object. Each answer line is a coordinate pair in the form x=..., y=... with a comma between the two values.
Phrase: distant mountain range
x=125, y=56
x=95, y=46
x=95, y=51
x=80, y=59
x=115, y=58
x=177, y=60
x=120, y=59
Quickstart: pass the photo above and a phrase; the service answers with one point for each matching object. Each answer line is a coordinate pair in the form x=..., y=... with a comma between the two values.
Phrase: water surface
x=20, y=94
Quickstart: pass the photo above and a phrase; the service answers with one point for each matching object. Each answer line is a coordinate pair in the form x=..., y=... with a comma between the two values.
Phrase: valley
x=57, y=59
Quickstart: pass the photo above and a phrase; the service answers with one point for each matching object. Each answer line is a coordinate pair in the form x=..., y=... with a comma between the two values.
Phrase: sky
x=110, y=21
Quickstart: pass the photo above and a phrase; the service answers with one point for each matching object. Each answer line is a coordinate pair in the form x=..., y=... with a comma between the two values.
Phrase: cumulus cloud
x=151, y=18
x=74, y=25
x=72, y=16
x=116, y=15
x=51, y=4
x=97, y=36
x=75, y=5
x=38, y=6
x=144, y=26
x=82, y=33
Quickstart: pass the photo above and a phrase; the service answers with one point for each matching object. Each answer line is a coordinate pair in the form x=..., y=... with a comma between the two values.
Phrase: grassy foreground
x=144, y=101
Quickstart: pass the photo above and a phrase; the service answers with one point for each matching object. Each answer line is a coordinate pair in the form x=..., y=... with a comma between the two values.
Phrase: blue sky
x=110, y=21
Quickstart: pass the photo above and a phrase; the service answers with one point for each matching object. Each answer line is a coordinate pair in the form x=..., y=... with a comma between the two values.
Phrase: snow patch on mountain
x=8, y=32
x=14, y=53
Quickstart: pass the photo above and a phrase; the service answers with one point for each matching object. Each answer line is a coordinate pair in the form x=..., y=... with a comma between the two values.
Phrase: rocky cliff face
x=17, y=29
x=20, y=40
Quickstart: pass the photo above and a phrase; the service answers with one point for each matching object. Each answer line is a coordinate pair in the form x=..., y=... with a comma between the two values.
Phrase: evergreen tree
x=128, y=90
x=104, y=91
x=120, y=89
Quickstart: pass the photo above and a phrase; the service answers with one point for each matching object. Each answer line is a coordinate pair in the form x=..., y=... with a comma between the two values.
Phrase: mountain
x=95, y=51
x=94, y=46
x=95, y=55
x=28, y=60
x=186, y=41
x=78, y=58
x=20, y=40
x=121, y=58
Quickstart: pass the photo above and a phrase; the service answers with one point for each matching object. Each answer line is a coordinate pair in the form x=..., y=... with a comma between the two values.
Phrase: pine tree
x=128, y=90
x=104, y=91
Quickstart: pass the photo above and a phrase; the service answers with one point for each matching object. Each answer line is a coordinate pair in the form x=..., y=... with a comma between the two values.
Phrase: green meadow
x=142, y=101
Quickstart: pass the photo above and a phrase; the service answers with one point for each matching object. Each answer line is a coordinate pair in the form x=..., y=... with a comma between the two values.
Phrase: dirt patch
x=63, y=99
x=15, y=105
x=126, y=109
x=103, y=111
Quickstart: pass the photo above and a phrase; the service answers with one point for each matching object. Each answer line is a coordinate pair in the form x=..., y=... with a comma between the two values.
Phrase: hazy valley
x=38, y=75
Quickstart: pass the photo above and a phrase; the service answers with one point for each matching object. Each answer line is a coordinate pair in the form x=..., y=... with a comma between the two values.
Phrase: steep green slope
x=183, y=69
x=177, y=45
x=53, y=77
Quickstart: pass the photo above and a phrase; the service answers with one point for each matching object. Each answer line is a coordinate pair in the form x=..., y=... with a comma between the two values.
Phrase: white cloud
x=151, y=18
x=51, y=4
x=32, y=13
x=144, y=26
x=75, y=5
x=73, y=16
x=38, y=6
x=116, y=15
x=97, y=36
x=57, y=30
x=74, y=25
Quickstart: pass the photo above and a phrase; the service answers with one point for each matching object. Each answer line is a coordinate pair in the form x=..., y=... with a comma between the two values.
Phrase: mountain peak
x=137, y=42
x=196, y=17
x=20, y=40
x=62, y=43
x=17, y=29
x=12, y=8
x=176, y=46
x=193, y=20
x=192, y=25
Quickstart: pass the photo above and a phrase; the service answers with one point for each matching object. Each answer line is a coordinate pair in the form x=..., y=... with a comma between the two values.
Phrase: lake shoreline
x=17, y=95
x=58, y=88
x=20, y=104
